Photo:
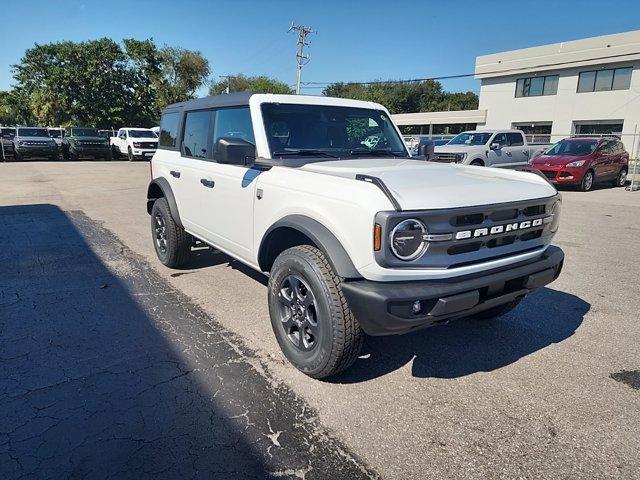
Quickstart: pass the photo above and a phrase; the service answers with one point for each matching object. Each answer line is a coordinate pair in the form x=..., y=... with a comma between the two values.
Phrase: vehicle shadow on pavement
x=106, y=371
x=204, y=257
x=468, y=346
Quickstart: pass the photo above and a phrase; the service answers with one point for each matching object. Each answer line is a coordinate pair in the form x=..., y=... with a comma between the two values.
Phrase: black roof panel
x=238, y=99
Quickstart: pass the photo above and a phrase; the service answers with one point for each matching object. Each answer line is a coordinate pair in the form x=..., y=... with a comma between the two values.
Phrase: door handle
x=207, y=183
x=175, y=173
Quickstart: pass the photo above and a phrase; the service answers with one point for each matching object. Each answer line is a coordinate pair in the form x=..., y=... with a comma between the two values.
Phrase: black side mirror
x=234, y=151
x=426, y=149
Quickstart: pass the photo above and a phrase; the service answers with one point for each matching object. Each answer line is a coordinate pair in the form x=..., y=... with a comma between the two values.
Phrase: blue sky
x=355, y=40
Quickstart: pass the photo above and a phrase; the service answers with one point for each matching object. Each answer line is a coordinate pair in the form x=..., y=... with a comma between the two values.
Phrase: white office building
x=589, y=86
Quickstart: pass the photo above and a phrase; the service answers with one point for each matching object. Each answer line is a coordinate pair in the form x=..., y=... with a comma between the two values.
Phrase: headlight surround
x=137, y=144
x=459, y=158
x=407, y=239
x=576, y=164
x=555, y=220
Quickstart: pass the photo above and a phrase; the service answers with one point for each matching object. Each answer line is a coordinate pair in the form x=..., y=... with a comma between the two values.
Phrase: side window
x=515, y=139
x=232, y=122
x=196, y=134
x=169, y=130
x=620, y=147
x=500, y=138
x=119, y=134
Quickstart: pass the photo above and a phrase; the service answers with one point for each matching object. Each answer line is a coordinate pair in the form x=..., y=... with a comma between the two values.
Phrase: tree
x=100, y=83
x=183, y=72
x=242, y=83
x=405, y=97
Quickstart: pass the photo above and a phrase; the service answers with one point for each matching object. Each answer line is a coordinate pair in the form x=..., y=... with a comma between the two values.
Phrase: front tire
x=171, y=242
x=313, y=324
x=130, y=155
x=477, y=163
x=587, y=181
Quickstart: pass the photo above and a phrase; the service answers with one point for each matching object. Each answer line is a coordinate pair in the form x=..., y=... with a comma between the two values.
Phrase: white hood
x=417, y=184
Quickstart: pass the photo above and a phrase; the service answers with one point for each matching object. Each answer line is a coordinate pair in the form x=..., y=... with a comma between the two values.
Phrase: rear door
x=517, y=149
x=221, y=206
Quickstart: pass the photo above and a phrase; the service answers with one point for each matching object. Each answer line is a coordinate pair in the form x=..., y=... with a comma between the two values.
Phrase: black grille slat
x=466, y=220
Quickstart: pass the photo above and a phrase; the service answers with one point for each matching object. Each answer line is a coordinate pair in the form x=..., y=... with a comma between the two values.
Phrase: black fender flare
x=321, y=236
x=167, y=193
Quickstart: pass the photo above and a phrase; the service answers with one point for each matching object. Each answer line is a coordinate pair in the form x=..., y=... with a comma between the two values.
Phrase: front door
x=501, y=156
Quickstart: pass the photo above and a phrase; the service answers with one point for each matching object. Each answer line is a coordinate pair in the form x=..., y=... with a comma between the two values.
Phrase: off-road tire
x=178, y=242
x=497, y=311
x=340, y=337
x=17, y=156
x=585, y=184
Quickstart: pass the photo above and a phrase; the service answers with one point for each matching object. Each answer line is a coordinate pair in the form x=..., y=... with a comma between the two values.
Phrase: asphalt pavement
x=113, y=365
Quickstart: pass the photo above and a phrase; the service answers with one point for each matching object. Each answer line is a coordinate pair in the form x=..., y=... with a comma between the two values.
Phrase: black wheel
x=130, y=154
x=587, y=181
x=477, y=163
x=621, y=179
x=17, y=156
x=313, y=324
x=497, y=311
x=115, y=154
x=172, y=243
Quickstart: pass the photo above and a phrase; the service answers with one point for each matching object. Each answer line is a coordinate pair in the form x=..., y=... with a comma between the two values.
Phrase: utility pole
x=301, y=58
x=228, y=83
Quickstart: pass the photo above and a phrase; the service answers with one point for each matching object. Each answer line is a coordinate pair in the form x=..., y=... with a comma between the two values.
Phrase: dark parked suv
x=583, y=161
x=6, y=147
x=31, y=142
x=81, y=142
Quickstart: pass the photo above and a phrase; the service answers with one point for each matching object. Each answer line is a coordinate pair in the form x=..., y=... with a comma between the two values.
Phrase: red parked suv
x=584, y=161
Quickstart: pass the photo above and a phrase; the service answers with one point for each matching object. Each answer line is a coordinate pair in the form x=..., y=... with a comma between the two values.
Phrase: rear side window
x=515, y=139
x=196, y=134
x=169, y=130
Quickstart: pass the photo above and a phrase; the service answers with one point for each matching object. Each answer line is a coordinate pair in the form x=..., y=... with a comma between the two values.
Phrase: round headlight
x=407, y=239
x=555, y=220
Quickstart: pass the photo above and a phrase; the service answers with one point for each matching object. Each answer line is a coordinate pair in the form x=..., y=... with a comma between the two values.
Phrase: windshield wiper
x=376, y=152
x=304, y=153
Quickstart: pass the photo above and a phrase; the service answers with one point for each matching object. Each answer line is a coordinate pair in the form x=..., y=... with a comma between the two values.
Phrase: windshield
x=33, y=132
x=84, y=132
x=572, y=148
x=470, y=138
x=55, y=133
x=8, y=132
x=330, y=131
x=142, y=134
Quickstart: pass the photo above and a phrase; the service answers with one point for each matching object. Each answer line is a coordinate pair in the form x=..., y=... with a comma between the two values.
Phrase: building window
x=535, y=132
x=598, y=127
x=605, y=80
x=537, y=86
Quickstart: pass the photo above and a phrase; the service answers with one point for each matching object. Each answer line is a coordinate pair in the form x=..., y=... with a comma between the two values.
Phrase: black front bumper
x=385, y=308
x=36, y=151
x=92, y=152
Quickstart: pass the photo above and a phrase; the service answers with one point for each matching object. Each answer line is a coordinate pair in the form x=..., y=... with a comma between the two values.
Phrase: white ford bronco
x=356, y=236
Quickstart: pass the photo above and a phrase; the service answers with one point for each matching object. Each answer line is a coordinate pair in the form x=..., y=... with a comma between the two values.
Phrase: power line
x=466, y=75
x=301, y=58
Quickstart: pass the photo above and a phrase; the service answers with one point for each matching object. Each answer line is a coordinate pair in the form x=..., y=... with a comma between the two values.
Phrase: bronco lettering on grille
x=509, y=227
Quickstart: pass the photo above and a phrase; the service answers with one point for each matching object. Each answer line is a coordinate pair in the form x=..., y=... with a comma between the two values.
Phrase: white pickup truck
x=491, y=148
x=134, y=143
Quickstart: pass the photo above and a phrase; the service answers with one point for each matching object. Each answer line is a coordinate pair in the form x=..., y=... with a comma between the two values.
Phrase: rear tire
x=587, y=181
x=171, y=242
x=497, y=311
x=621, y=179
x=315, y=328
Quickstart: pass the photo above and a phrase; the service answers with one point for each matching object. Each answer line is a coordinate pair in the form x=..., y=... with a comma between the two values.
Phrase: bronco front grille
x=475, y=234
